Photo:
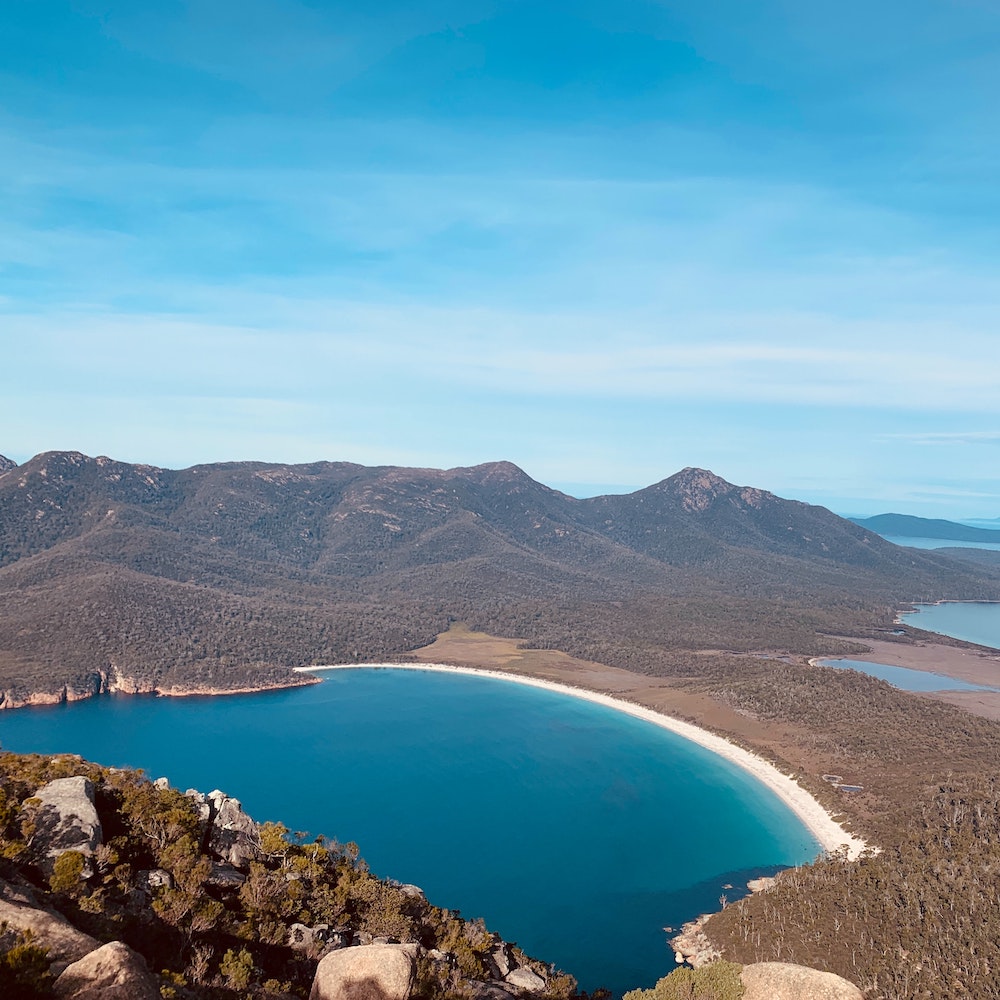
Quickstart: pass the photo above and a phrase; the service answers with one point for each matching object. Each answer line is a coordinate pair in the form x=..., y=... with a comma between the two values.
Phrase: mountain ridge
x=229, y=573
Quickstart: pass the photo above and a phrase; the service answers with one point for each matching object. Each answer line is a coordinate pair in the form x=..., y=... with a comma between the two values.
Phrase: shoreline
x=45, y=699
x=828, y=833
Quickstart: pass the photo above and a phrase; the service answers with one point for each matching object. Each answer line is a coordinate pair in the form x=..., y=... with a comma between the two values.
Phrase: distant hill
x=907, y=526
x=225, y=575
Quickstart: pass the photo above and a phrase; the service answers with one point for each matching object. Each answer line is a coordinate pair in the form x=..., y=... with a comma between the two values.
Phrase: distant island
x=908, y=526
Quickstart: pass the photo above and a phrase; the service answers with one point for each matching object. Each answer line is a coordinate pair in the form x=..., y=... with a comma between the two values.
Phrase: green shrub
x=67, y=873
x=718, y=981
x=24, y=967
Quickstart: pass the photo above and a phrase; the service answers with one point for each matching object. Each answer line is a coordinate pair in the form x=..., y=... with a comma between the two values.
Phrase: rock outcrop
x=231, y=835
x=6, y=464
x=783, y=981
x=21, y=910
x=693, y=946
x=523, y=979
x=65, y=819
x=112, y=972
x=369, y=972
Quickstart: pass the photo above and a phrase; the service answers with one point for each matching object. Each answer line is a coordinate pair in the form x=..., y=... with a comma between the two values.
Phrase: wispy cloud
x=946, y=438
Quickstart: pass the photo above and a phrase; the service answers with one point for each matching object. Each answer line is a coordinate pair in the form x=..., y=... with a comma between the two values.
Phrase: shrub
x=718, y=981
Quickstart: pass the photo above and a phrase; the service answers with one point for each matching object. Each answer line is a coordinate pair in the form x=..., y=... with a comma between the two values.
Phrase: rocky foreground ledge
x=115, y=887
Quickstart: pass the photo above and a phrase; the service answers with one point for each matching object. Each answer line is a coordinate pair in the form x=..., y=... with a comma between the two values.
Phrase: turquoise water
x=906, y=679
x=971, y=621
x=577, y=831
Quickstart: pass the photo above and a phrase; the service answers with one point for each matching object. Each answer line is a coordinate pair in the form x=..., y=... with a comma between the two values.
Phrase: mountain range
x=224, y=575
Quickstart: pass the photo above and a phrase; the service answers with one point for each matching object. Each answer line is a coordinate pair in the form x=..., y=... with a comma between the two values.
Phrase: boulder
x=492, y=991
x=111, y=972
x=66, y=819
x=783, y=981
x=21, y=910
x=225, y=877
x=233, y=835
x=526, y=980
x=369, y=972
x=304, y=938
x=230, y=834
x=499, y=959
x=152, y=879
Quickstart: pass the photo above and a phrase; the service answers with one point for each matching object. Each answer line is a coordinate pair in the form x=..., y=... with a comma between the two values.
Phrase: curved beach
x=827, y=831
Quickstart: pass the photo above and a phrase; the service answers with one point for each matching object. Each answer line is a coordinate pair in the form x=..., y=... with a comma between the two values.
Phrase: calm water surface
x=576, y=831
x=906, y=679
x=939, y=543
x=971, y=621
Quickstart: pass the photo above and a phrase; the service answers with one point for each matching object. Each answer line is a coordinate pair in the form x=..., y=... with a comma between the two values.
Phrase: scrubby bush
x=718, y=981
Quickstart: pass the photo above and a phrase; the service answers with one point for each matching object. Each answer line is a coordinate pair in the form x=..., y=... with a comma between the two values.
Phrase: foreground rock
x=66, y=819
x=231, y=834
x=782, y=981
x=21, y=910
x=370, y=972
x=111, y=972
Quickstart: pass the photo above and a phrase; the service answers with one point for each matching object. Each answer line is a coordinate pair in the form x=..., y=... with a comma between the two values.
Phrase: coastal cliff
x=112, y=681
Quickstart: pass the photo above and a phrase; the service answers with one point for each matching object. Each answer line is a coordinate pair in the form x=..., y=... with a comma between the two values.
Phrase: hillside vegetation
x=225, y=576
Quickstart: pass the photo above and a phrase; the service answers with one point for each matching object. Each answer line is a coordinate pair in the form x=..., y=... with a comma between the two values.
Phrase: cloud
x=947, y=438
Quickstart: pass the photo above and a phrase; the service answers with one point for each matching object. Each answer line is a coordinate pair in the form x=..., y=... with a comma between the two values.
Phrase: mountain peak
x=696, y=488
x=6, y=464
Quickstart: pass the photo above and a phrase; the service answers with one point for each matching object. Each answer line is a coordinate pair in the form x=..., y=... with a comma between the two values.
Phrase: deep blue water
x=577, y=831
x=972, y=621
x=906, y=679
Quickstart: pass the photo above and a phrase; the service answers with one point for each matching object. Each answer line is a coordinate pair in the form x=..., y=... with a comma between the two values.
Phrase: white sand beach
x=827, y=831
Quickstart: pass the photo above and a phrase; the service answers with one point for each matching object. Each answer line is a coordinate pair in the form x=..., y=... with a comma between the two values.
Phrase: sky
x=604, y=241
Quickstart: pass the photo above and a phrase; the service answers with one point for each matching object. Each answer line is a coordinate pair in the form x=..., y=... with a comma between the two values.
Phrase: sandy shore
x=830, y=834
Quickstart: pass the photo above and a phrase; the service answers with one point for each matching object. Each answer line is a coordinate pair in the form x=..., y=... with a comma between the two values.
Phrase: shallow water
x=577, y=831
x=905, y=678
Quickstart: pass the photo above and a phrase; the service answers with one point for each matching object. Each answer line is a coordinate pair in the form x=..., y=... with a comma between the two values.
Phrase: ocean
x=577, y=831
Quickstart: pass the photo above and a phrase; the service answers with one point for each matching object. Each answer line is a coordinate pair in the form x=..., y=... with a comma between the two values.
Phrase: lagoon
x=575, y=830
x=904, y=678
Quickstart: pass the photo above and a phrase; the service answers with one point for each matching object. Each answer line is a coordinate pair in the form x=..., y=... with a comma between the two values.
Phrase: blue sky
x=603, y=241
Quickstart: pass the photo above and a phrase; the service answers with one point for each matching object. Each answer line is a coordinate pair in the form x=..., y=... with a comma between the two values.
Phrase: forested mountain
x=224, y=575
x=908, y=526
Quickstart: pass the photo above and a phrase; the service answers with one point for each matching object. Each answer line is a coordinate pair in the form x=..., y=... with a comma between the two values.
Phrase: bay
x=972, y=621
x=577, y=831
